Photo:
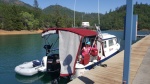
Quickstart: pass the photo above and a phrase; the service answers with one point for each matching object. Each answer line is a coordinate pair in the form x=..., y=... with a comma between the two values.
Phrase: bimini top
x=70, y=40
x=80, y=31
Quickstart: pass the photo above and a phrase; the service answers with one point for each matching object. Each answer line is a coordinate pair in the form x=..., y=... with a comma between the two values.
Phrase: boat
x=31, y=68
x=64, y=52
x=67, y=61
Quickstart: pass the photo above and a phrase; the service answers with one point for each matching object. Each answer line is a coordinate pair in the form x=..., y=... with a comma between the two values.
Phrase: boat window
x=111, y=42
x=87, y=39
x=104, y=44
x=90, y=39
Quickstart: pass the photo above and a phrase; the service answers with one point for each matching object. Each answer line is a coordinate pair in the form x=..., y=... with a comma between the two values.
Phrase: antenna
x=98, y=14
x=98, y=27
x=74, y=12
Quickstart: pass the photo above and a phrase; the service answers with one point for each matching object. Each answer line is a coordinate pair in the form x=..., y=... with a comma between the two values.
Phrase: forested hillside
x=115, y=19
x=16, y=15
x=67, y=16
x=15, y=2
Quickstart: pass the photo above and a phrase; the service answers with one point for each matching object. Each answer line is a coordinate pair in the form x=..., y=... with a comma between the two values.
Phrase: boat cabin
x=110, y=44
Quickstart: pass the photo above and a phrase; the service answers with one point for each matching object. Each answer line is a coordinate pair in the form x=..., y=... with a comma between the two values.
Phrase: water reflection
x=28, y=79
x=44, y=78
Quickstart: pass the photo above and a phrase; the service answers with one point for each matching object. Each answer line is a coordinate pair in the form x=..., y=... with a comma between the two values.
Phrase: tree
x=136, y=3
x=59, y=19
x=28, y=21
x=1, y=21
x=14, y=17
x=36, y=5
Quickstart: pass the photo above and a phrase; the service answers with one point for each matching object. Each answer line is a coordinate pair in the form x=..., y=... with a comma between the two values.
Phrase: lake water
x=16, y=49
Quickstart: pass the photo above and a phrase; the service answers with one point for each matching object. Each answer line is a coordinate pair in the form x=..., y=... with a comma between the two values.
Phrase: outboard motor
x=53, y=66
x=47, y=48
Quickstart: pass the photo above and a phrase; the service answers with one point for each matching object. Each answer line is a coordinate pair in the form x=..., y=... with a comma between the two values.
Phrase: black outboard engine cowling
x=53, y=66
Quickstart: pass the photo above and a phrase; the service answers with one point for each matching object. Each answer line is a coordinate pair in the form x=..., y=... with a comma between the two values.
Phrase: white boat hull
x=32, y=67
x=80, y=68
x=26, y=69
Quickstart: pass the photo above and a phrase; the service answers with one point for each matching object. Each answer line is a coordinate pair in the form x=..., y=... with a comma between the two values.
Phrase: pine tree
x=36, y=5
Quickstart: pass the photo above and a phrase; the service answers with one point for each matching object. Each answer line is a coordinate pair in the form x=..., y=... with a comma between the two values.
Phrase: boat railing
x=118, y=40
x=99, y=31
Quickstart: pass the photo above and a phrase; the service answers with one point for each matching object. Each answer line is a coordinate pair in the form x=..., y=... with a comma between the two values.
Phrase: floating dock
x=113, y=73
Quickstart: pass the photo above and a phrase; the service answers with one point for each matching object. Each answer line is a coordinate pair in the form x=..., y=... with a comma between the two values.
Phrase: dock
x=113, y=73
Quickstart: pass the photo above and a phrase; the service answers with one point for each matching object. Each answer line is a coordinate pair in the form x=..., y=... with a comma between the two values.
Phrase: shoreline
x=14, y=32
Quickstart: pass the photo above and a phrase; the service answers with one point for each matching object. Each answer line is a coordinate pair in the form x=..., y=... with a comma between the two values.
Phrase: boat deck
x=113, y=73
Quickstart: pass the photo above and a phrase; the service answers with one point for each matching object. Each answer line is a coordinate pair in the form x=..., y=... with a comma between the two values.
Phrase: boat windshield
x=87, y=39
x=51, y=44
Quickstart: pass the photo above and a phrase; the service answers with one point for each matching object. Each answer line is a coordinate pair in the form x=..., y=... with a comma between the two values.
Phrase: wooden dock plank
x=113, y=73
